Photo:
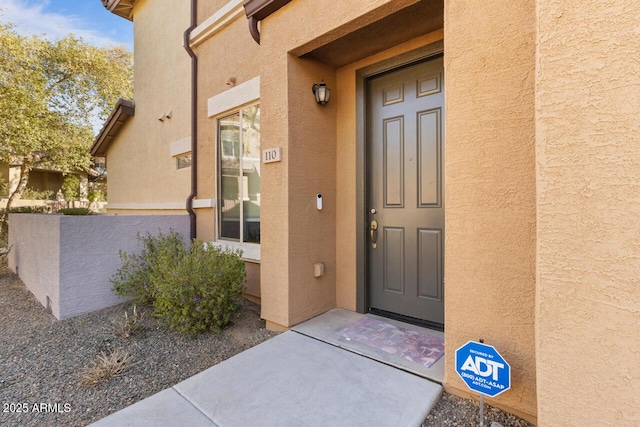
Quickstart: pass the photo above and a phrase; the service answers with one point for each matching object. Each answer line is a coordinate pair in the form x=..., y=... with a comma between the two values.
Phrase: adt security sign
x=483, y=369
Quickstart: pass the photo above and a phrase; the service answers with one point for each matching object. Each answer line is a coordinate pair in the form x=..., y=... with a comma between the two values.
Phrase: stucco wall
x=296, y=236
x=490, y=190
x=208, y=8
x=141, y=169
x=312, y=171
x=71, y=259
x=32, y=238
x=588, y=163
x=213, y=76
x=213, y=79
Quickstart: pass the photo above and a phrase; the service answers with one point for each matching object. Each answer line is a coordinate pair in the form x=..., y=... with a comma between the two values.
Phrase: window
x=239, y=175
x=183, y=161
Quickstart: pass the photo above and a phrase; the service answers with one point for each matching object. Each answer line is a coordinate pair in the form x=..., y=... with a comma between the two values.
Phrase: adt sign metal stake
x=483, y=370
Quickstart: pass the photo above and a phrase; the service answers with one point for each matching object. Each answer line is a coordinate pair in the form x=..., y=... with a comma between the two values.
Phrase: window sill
x=250, y=251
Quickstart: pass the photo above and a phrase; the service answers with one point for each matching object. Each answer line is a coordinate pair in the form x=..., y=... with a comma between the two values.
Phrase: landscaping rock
x=41, y=358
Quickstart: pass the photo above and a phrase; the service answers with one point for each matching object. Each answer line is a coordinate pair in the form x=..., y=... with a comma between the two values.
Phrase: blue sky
x=56, y=18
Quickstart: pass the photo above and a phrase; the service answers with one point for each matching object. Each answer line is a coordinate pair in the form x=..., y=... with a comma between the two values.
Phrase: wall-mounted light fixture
x=322, y=92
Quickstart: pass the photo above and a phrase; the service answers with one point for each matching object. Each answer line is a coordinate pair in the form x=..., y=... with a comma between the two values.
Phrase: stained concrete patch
x=166, y=408
x=295, y=380
x=326, y=327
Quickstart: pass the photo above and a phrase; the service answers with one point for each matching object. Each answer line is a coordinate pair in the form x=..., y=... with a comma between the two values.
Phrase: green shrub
x=75, y=211
x=133, y=279
x=27, y=209
x=4, y=218
x=201, y=291
x=31, y=194
x=4, y=187
x=71, y=187
x=191, y=290
x=96, y=196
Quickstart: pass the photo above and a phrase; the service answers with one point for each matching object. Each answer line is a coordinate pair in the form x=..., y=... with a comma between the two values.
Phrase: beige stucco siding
x=227, y=54
x=230, y=53
x=312, y=157
x=490, y=189
x=295, y=234
x=209, y=7
x=274, y=186
x=141, y=168
x=588, y=163
x=541, y=172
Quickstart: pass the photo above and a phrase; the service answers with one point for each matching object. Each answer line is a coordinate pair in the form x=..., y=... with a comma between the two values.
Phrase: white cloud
x=31, y=17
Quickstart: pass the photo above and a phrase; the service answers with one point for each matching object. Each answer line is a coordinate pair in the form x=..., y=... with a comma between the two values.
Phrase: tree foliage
x=71, y=187
x=51, y=94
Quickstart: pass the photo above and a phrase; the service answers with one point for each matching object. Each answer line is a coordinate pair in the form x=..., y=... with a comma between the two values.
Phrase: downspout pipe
x=253, y=29
x=194, y=121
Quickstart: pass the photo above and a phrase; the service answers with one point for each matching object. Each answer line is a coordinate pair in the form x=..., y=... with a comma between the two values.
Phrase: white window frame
x=243, y=197
x=223, y=104
x=183, y=156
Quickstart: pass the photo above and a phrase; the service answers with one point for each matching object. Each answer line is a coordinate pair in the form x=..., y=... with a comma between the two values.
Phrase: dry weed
x=105, y=367
x=132, y=324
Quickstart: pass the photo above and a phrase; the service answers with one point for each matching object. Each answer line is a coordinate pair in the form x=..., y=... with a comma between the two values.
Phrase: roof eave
x=260, y=9
x=123, y=8
x=119, y=115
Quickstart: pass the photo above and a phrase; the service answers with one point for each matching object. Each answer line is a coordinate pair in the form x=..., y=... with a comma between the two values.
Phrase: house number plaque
x=271, y=155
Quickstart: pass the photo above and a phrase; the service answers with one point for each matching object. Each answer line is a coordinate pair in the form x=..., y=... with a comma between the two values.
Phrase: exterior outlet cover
x=318, y=270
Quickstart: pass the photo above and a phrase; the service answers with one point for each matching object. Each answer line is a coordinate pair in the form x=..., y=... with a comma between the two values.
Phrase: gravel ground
x=454, y=411
x=41, y=363
x=41, y=359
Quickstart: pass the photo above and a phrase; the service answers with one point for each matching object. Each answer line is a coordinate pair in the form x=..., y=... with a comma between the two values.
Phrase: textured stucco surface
x=312, y=157
x=141, y=169
x=213, y=76
x=70, y=259
x=490, y=215
x=208, y=8
x=588, y=163
x=542, y=170
x=295, y=234
x=31, y=238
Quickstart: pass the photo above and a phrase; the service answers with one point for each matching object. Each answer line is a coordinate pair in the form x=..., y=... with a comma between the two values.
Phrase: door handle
x=373, y=234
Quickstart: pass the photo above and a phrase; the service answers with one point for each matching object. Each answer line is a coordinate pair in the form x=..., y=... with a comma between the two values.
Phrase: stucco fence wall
x=66, y=261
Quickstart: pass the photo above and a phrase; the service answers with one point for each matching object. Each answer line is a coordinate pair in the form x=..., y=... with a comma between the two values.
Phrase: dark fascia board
x=260, y=9
x=119, y=115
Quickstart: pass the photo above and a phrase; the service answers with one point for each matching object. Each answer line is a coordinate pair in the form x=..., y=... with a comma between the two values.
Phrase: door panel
x=394, y=260
x=404, y=194
x=393, y=162
x=429, y=157
x=429, y=261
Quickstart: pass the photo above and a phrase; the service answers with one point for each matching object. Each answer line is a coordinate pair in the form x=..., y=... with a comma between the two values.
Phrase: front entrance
x=404, y=202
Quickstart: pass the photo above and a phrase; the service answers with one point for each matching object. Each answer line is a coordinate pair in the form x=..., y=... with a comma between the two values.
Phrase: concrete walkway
x=290, y=380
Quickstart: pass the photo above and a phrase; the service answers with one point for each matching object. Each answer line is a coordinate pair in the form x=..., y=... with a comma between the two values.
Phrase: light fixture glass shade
x=322, y=93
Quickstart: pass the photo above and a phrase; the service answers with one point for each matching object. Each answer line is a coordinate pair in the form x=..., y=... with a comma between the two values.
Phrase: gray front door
x=405, y=210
